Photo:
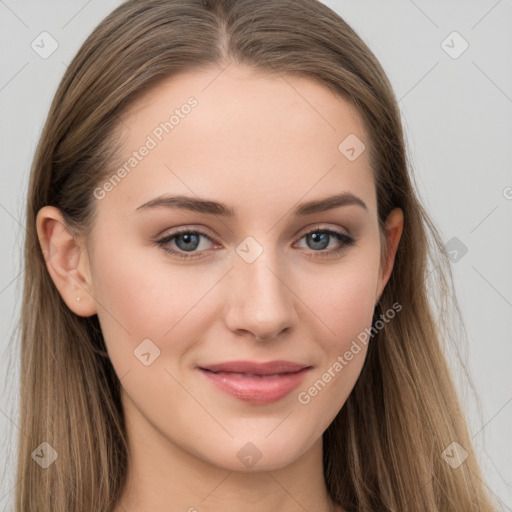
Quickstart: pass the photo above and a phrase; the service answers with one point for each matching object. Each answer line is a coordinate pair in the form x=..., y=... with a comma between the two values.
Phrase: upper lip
x=255, y=368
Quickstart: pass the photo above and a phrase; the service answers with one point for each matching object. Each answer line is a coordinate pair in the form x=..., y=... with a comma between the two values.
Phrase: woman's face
x=249, y=156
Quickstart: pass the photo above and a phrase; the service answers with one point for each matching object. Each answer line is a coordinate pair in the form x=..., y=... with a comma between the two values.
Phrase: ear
x=393, y=232
x=67, y=261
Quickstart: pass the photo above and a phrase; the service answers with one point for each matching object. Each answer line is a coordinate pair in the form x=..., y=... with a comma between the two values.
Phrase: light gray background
x=457, y=113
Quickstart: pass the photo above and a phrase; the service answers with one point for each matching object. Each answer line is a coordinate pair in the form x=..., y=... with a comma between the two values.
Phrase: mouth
x=257, y=383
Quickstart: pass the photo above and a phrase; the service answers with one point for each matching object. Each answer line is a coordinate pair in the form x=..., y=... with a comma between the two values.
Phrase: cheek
x=344, y=298
x=344, y=301
x=143, y=296
x=139, y=300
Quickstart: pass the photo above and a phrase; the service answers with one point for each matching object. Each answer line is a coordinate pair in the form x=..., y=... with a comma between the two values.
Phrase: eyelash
x=345, y=239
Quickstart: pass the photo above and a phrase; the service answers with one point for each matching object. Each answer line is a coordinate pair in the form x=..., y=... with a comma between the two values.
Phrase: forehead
x=237, y=134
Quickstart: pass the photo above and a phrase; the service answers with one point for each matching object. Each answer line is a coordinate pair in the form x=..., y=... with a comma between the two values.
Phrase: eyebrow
x=216, y=208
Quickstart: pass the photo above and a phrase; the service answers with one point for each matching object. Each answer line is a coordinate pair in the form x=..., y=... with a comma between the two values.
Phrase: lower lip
x=257, y=390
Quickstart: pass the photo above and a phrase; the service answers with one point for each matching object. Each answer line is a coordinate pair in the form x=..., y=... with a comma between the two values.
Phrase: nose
x=260, y=300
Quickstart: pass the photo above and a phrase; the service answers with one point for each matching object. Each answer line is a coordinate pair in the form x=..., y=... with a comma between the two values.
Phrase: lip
x=257, y=383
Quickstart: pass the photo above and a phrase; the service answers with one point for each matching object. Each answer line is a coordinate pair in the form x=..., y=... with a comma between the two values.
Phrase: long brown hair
x=383, y=450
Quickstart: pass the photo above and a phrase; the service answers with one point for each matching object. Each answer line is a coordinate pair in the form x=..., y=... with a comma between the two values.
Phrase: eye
x=319, y=239
x=187, y=242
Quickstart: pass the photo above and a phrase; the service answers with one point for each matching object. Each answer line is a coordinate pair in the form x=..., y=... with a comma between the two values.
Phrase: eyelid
x=198, y=229
x=319, y=226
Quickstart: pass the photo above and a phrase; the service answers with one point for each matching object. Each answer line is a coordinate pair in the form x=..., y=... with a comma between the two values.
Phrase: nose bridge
x=259, y=300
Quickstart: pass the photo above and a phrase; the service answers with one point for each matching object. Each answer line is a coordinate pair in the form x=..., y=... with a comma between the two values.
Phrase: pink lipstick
x=258, y=383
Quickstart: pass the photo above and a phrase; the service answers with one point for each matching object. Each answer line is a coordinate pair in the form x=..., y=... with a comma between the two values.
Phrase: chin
x=260, y=454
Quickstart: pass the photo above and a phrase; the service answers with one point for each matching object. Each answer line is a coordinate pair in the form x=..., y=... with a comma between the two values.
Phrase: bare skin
x=262, y=145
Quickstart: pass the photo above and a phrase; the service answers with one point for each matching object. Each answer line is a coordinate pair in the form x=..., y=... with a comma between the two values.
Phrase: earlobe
x=394, y=229
x=66, y=260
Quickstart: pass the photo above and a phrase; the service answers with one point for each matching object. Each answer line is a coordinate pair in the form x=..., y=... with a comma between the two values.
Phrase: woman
x=225, y=304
